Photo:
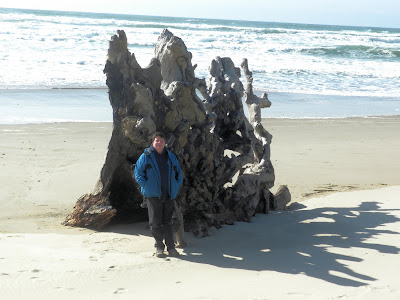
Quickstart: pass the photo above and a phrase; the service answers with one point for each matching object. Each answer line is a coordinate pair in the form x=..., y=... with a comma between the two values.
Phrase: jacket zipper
x=155, y=166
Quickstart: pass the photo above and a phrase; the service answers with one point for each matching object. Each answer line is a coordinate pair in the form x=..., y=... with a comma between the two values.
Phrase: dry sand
x=339, y=240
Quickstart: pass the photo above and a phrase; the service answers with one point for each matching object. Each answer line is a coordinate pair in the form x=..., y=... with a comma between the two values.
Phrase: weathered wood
x=281, y=198
x=201, y=121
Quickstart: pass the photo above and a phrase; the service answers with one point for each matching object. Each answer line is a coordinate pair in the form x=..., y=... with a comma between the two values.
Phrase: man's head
x=159, y=141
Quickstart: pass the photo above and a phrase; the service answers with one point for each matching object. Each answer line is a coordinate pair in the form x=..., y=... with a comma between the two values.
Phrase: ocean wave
x=355, y=51
x=181, y=26
x=396, y=53
x=269, y=31
x=12, y=120
x=386, y=40
x=140, y=45
x=90, y=35
x=69, y=49
x=386, y=96
x=207, y=40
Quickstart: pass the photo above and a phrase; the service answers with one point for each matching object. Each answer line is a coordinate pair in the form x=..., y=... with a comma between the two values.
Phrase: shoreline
x=35, y=106
x=277, y=119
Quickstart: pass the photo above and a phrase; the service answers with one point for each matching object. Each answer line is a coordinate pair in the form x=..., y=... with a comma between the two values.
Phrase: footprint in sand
x=35, y=271
x=119, y=291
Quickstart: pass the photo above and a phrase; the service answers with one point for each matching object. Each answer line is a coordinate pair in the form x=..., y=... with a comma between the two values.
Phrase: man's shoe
x=173, y=253
x=159, y=253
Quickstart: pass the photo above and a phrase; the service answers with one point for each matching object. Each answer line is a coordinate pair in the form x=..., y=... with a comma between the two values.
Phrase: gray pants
x=160, y=221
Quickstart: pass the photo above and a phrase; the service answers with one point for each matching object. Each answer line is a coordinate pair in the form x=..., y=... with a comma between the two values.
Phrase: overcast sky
x=381, y=13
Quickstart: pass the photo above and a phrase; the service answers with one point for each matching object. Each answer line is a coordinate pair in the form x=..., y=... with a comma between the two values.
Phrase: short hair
x=156, y=134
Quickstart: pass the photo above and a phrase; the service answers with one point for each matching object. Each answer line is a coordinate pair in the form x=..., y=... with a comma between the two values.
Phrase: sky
x=377, y=13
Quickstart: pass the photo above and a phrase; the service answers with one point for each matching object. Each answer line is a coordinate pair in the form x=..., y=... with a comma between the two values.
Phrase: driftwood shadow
x=299, y=242
x=133, y=229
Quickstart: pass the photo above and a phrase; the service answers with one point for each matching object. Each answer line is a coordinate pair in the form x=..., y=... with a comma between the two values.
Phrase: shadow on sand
x=303, y=241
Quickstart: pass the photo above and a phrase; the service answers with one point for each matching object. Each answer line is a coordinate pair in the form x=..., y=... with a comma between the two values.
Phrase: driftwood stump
x=203, y=122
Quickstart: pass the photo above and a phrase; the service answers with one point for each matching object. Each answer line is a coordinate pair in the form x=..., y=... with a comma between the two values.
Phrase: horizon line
x=198, y=18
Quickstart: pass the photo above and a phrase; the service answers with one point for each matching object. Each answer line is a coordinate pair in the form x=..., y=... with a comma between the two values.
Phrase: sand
x=338, y=240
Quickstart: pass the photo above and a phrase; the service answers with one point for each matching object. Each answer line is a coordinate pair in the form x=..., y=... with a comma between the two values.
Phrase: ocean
x=52, y=63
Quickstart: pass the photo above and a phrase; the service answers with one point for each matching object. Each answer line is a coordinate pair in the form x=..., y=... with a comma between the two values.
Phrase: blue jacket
x=147, y=175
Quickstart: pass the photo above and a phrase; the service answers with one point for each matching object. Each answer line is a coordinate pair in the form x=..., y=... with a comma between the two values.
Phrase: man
x=159, y=174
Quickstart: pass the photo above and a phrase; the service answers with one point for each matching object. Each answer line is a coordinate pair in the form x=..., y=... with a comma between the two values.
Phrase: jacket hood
x=154, y=150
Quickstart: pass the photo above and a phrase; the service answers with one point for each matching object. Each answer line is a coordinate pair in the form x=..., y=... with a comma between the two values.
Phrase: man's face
x=159, y=144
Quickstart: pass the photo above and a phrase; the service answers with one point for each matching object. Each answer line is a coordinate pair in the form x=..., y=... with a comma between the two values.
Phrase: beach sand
x=339, y=239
